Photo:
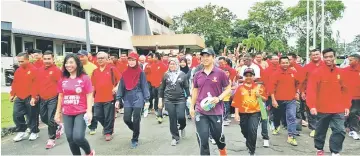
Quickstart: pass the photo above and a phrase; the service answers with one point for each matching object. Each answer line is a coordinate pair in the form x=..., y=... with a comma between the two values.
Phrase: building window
x=78, y=12
x=117, y=24
x=63, y=6
x=166, y=25
x=93, y=49
x=5, y=45
x=59, y=49
x=114, y=50
x=72, y=48
x=44, y=45
x=43, y=3
x=18, y=45
x=95, y=17
x=104, y=49
x=106, y=20
x=28, y=45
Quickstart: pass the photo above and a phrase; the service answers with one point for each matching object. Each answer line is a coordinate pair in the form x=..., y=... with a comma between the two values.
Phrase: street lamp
x=87, y=7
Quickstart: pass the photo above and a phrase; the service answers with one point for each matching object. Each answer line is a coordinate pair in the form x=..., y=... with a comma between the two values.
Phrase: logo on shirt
x=158, y=67
x=79, y=83
x=214, y=80
x=50, y=72
x=338, y=76
x=28, y=72
x=78, y=90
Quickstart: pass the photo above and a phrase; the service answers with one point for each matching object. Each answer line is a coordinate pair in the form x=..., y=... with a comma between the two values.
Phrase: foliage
x=298, y=16
x=212, y=22
x=6, y=111
x=277, y=46
x=353, y=46
x=271, y=18
x=256, y=42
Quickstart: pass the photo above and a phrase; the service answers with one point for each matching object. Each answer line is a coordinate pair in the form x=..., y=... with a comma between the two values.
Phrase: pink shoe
x=320, y=153
x=92, y=153
x=50, y=144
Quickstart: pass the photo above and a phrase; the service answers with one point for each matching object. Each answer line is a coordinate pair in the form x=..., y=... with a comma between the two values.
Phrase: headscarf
x=132, y=74
x=186, y=68
x=173, y=75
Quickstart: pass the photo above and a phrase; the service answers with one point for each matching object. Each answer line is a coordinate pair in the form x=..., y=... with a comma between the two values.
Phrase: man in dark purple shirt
x=211, y=80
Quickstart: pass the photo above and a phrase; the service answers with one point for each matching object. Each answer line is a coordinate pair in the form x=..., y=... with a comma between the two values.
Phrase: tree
x=271, y=19
x=277, y=46
x=298, y=15
x=256, y=42
x=212, y=22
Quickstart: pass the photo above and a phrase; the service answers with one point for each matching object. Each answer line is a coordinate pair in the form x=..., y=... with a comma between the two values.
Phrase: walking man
x=213, y=83
x=328, y=98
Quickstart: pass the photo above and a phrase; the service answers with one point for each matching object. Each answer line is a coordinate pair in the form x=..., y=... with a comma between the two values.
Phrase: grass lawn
x=6, y=111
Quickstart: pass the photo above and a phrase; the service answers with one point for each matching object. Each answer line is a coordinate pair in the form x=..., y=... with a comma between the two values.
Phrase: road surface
x=155, y=140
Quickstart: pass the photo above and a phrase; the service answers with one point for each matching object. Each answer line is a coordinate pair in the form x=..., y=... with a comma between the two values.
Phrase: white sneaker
x=146, y=112
x=333, y=154
x=354, y=135
x=19, y=136
x=233, y=115
x=33, y=136
x=213, y=141
x=266, y=143
x=28, y=130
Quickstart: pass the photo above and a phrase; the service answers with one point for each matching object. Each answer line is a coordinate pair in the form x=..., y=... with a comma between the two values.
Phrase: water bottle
x=86, y=120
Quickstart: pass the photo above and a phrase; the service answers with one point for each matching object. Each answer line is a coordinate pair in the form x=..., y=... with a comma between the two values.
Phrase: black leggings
x=75, y=128
x=133, y=124
x=176, y=115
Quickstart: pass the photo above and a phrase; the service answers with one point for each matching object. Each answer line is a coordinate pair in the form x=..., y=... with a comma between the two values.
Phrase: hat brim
x=209, y=53
x=252, y=73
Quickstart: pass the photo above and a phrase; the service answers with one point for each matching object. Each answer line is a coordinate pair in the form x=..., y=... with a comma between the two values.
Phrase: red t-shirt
x=104, y=83
x=74, y=94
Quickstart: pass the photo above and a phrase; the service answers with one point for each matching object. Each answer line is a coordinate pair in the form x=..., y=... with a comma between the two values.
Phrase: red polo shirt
x=327, y=91
x=306, y=72
x=267, y=74
x=94, y=61
x=23, y=84
x=47, y=82
x=38, y=63
x=284, y=84
x=147, y=71
x=103, y=83
x=352, y=80
x=157, y=70
x=122, y=65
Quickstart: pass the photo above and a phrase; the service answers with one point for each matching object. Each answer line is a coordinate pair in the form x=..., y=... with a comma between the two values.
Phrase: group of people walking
x=254, y=89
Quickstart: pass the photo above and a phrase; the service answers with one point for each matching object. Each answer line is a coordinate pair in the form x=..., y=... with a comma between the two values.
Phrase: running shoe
x=92, y=153
x=226, y=123
x=304, y=123
x=266, y=143
x=134, y=144
x=320, y=153
x=108, y=137
x=50, y=144
x=335, y=154
x=223, y=152
x=182, y=133
x=354, y=135
x=33, y=136
x=160, y=120
x=92, y=132
x=20, y=136
x=174, y=142
x=312, y=133
x=276, y=131
x=292, y=141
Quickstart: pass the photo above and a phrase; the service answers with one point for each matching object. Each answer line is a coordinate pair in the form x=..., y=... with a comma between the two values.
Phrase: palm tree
x=256, y=42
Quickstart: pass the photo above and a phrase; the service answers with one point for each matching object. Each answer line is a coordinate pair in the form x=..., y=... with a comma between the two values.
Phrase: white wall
x=35, y=18
x=157, y=27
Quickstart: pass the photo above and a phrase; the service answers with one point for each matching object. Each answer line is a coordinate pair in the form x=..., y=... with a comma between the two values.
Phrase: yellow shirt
x=89, y=68
x=227, y=97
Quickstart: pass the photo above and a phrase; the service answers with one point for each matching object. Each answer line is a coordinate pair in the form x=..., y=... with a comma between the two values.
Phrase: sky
x=348, y=26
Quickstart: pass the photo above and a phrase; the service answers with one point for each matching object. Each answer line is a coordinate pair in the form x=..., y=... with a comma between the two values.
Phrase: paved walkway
x=155, y=140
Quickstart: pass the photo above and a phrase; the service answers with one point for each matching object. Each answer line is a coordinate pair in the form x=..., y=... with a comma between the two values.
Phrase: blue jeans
x=226, y=109
x=289, y=107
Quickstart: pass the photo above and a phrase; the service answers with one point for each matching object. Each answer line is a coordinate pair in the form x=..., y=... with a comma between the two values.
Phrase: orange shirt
x=327, y=91
x=352, y=80
x=103, y=83
x=284, y=84
x=245, y=98
x=24, y=81
x=47, y=82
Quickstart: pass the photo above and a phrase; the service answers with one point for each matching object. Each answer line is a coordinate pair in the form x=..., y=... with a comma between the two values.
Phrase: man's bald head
x=142, y=59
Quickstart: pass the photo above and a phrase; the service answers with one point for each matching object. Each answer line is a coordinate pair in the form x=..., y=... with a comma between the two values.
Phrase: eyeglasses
x=101, y=58
x=248, y=76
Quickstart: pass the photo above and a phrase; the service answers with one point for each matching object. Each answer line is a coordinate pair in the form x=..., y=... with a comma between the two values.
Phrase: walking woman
x=184, y=67
x=134, y=91
x=173, y=91
x=247, y=108
x=74, y=105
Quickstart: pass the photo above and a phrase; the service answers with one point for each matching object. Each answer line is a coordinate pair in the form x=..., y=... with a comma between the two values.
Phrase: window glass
x=63, y=6
x=95, y=17
x=44, y=45
x=107, y=20
x=78, y=12
x=43, y=3
x=18, y=45
x=117, y=24
x=5, y=46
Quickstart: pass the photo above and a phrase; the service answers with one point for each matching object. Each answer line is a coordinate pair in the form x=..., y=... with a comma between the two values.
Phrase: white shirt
x=255, y=67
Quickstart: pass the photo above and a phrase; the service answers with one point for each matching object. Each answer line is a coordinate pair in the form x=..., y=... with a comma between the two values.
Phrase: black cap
x=249, y=70
x=207, y=51
x=82, y=52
